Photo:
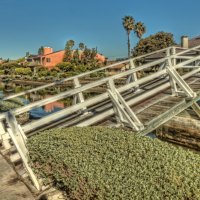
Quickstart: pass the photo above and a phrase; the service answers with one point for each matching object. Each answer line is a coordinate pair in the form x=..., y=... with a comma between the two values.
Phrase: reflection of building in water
x=51, y=106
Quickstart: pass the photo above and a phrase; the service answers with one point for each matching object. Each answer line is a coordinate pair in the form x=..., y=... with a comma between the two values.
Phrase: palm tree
x=140, y=29
x=128, y=24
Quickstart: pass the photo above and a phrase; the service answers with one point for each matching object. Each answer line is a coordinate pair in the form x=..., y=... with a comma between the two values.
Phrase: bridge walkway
x=11, y=188
x=142, y=103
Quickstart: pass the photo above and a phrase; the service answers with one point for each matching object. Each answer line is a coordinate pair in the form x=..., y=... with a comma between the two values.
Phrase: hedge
x=103, y=163
x=23, y=71
x=10, y=104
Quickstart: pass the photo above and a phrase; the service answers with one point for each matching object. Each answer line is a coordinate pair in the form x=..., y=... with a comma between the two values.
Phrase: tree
x=68, y=50
x=88, y=56
x=76, y=56
x=81, y=46
x=27, y=54
x=70, y=43
x=41, y=50
x=128, y=24
x=154, y=42
x=140, y=29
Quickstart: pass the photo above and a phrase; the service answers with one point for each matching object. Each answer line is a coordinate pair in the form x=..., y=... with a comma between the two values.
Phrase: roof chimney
x=48, y=50
x=184, y=42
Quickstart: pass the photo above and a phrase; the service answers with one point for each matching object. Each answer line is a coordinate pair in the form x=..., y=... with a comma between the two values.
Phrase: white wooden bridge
x=143, y=101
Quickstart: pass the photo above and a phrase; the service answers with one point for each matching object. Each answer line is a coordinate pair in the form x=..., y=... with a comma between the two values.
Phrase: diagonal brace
x=195, y=106
x=19, y=141
x=180, y=82
x=122, y=109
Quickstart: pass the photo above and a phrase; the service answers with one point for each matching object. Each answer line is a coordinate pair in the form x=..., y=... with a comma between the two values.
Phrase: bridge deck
x=143, y=103
x=152, y=107
x=146, y=111
x=11, y=188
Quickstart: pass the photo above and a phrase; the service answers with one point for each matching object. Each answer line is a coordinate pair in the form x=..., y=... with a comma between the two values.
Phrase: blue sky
x=28, y=24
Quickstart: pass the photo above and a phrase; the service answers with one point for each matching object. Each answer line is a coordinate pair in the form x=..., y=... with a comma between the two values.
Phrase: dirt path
x=11, y=188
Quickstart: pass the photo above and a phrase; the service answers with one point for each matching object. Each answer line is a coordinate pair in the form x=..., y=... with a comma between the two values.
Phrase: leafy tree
x=81, y=46
x=140, y=29
x=88, y=56
x=128, y=24
x=70, y=44
x=154, y=42
x=68, y=51
x=41, y=50
x=27, y=54
x=76, y=56
x=20, y=60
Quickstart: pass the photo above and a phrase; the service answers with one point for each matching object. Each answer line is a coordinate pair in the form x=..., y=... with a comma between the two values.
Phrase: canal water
x=7, y=89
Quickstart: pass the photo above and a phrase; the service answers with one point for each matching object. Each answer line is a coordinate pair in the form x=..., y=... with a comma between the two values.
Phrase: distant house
x=1, y=60
x=51, y=58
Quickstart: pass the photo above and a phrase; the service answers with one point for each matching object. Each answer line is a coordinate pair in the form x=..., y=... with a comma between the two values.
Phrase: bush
x=10, y=104
x=9, y=65
x=65, y=66
x=43, y=72
x=23, y=71
x=2, y=72
x=103, y=163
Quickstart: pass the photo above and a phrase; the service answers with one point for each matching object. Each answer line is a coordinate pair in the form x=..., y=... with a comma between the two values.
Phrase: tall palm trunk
x=129, y=45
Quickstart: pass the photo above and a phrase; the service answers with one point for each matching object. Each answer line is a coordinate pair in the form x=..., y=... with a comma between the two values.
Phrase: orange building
x=51, y=106
x=50, y=59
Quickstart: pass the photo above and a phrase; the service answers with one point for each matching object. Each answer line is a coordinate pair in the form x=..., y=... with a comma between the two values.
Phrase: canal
x=9, y=88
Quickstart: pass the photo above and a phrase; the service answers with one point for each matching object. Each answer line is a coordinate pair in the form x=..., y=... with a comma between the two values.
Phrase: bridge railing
x=121, y=108
x=88, y=73
x=164, y=52
x=131, y=83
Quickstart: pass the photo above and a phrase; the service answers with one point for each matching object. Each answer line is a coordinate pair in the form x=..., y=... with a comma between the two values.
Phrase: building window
x=48, y=59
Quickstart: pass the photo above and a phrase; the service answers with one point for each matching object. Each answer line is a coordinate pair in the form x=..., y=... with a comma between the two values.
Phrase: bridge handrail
x=71, y=92
x=102, y=97
x=82, y=74
x=99, y=69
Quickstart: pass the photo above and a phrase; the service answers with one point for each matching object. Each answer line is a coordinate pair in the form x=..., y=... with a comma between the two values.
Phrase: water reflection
x=8, y=88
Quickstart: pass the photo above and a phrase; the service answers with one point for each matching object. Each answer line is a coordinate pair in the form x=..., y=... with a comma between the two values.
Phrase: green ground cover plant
x=105, y=163
x=10, y=104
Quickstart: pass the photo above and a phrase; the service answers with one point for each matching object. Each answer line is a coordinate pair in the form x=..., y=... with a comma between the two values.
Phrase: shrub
x=65, y=66
x=10, y=104
x=23, y=71
x=43, y=72
x=103, y=163
x=2, y=72
x=10, y=65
